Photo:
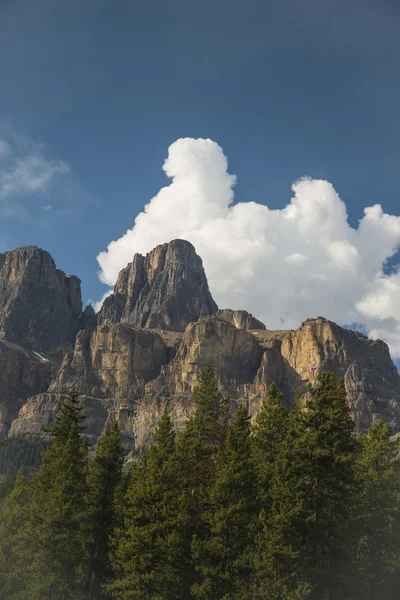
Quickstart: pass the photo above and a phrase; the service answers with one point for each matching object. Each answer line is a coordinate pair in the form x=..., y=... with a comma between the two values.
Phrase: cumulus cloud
x=25, y=168
x=282, y=265
x=99, y=303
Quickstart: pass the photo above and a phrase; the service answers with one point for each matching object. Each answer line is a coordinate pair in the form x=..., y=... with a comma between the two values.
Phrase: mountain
x=145, y=348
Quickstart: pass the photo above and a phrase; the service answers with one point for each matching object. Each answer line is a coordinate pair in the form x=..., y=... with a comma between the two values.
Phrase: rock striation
x=240, y=319
x=145, y=349
x=39, y=304
x=166, y=289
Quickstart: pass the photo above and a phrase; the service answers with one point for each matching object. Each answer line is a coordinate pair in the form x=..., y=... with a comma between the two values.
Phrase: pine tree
x=277, y=570
x=58, y=514
x=319, y=485
x=15, y=560
x=378, y=514
x=228, y=517
x=105, y=488
x=147, y=551
x=269, y=433
x=198, y=449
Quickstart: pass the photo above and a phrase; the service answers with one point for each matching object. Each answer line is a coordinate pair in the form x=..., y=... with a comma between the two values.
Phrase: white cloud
x=46, y=207
x=25, y=168
x=282, y=265
x=97, y=305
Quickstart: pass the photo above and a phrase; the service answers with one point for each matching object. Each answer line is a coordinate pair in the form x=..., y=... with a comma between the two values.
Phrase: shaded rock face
x=39, y=304
x=88, y=319
x=240, y=319
x=116, y=361
x=166, y=289
x=154, y=335
x=39, y=311
x=22, y=374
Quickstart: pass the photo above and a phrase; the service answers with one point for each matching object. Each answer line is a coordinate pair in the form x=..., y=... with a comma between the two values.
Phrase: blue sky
x=100, y=90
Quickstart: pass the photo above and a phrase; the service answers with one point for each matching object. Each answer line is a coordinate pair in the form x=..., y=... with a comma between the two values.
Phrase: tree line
x=294, y=506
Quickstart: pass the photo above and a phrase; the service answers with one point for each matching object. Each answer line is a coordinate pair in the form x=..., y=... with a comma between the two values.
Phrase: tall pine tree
x=16, y=565
x=228, y=516
x=318, y=485
x=269, y=433
x=378, y=515
x=277, y=571
x=58, y=515
x=103, y=504
x=198, y=449
x=147, y=550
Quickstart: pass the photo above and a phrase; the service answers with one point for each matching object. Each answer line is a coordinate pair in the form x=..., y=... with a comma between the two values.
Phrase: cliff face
x=167, y=289
x=240, y=319
x=39, y=304
x=148, y=344
x=39, y=310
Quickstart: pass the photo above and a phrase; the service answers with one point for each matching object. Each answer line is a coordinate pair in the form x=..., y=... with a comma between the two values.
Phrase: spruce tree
x=220, y=555
x=147, y=551
x=277, y=570
x=15, y=539
x=378, y=514
x=318, y=489
x=198, y=449
x=103, y=503
x=58, y=515
x=269, y=433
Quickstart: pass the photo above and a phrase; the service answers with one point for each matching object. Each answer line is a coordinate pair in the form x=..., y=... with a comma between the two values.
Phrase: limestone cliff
x=39, y=304
x=39, y=313
x=148, y=344
x=240, y=319
x=166, y=289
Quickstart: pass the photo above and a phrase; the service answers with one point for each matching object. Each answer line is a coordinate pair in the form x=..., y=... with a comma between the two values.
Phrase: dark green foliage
x=227, y=518
x=147, y=556
x=103, y=508
x=313, y=492
x=6, y=485
x=198, y=449
x=277, y=573
x=58, y=516
x=269, y=433
x=21, y=453
x=16, y=566
x=378, y=515
x=293, y=508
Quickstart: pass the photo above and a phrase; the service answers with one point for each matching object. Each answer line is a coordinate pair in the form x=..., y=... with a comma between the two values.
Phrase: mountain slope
x=153, y=336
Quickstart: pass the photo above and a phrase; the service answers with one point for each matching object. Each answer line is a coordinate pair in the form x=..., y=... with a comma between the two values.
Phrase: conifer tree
x=58, y=514
x=103, y=503
x=198, y=449
x=15, y=561
x=269, y=433
x=220, y=556
x=318, y=485
x=147, y=550
x=378, y=515
x=277, y=569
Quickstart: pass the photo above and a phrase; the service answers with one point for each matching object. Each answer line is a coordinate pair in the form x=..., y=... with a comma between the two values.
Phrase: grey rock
x=167, y=289
x=39, y=304
x=240, y=319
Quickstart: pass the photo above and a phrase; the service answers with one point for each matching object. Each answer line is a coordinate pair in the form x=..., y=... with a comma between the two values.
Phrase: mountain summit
x=145, y=348
x=166, y=289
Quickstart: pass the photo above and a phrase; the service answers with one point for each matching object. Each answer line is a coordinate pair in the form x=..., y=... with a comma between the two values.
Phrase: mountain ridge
x=145, y=348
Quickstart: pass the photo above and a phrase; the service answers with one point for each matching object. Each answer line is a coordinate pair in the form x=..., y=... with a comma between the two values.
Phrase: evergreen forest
x=291, y=506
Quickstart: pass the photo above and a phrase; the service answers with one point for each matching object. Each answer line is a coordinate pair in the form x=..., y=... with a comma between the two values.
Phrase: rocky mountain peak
x=240, y=319
x=39, y=304
x=166, y=289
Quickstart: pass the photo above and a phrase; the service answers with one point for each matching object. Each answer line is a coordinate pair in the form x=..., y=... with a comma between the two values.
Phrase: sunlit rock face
x=145, y=349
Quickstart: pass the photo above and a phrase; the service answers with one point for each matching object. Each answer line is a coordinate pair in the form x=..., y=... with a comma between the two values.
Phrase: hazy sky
x=93, y=94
